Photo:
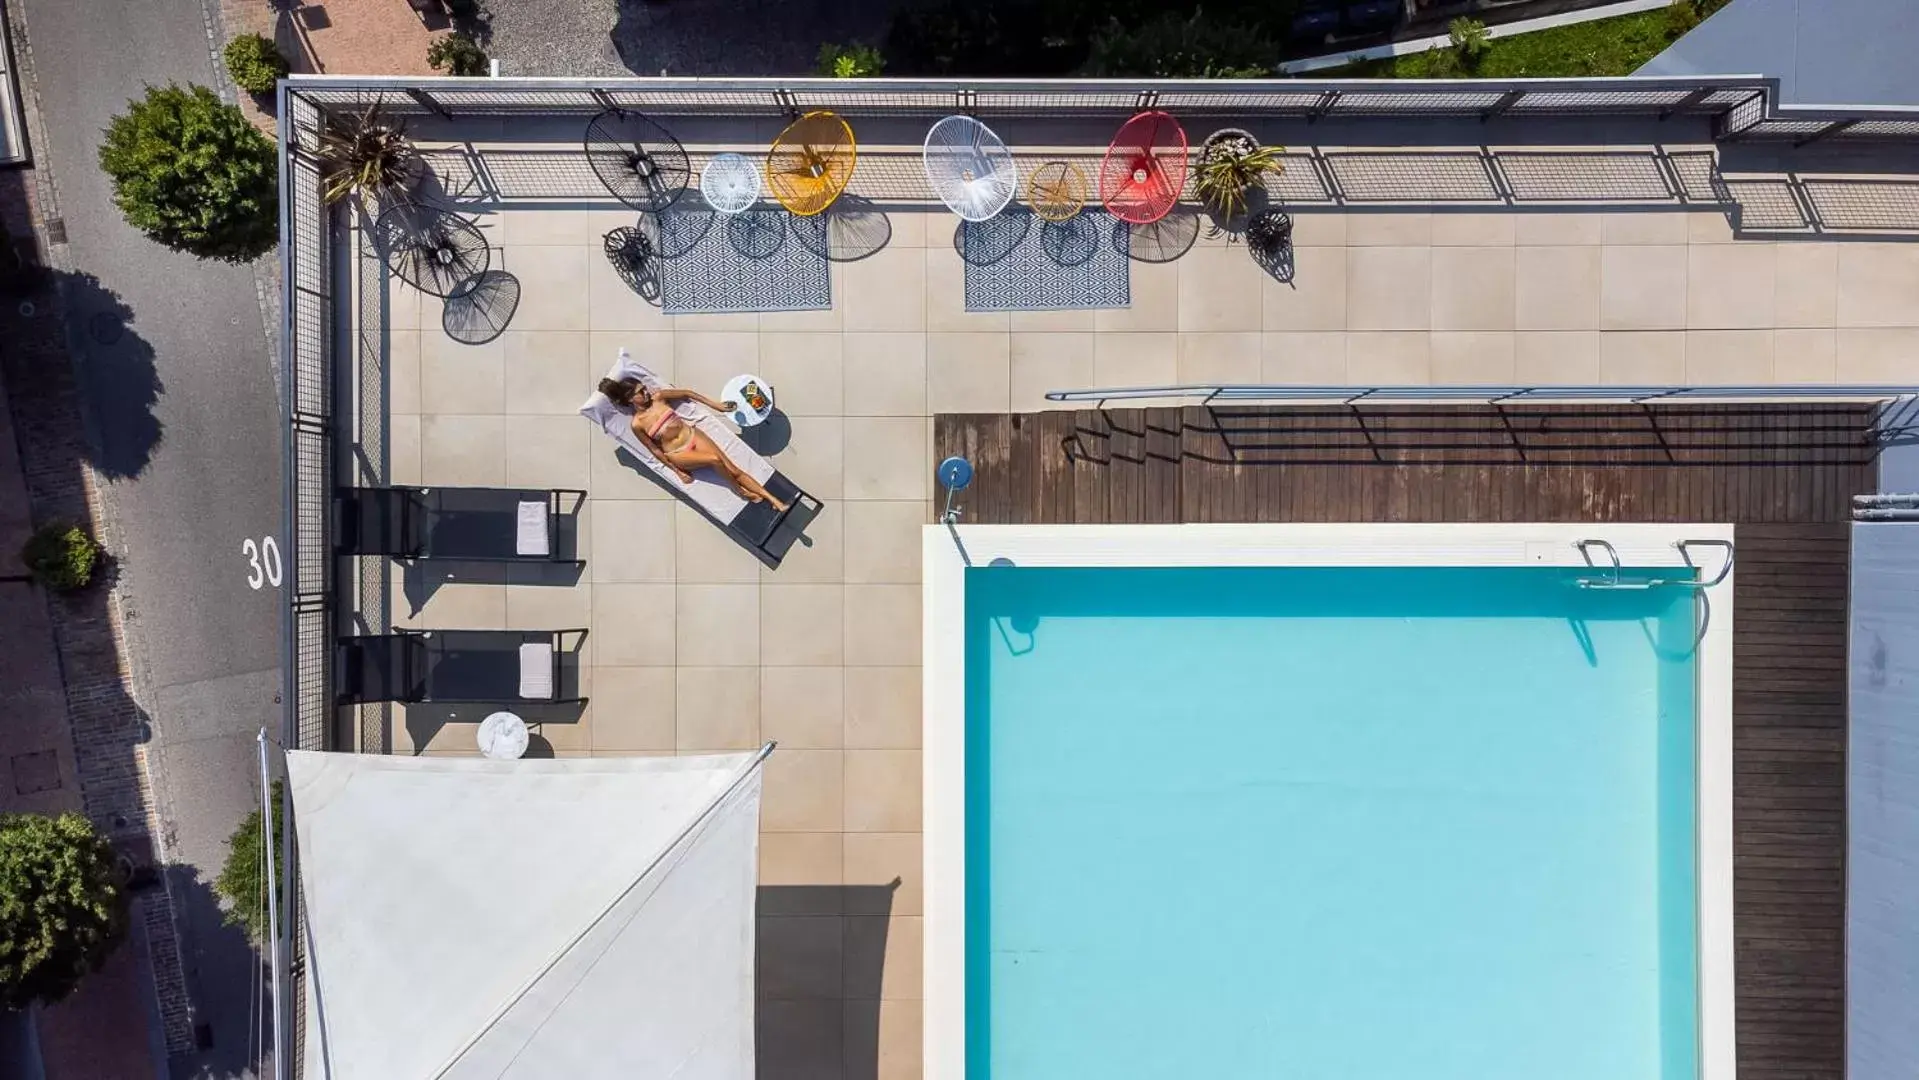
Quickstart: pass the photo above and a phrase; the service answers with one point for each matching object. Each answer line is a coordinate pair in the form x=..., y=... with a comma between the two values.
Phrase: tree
x=242, y=881
x=255, y=63
x=62, y=910
x=458, y=54
x=853, y=60
x=190, y=172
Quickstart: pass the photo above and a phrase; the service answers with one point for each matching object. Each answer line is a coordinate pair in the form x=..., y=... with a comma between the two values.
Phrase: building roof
x=1823, y=52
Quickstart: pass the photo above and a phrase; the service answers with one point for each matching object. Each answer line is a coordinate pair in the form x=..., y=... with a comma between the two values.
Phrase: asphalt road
x=174, y=366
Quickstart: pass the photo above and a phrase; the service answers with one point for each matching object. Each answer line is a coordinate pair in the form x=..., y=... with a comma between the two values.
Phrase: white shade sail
x=579, y=918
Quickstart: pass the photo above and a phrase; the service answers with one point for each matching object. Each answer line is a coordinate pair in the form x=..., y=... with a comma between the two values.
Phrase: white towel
x=530, y=537
x=536, y=671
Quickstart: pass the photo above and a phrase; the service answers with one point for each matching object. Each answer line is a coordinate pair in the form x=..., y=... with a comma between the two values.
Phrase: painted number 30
x=263, y=562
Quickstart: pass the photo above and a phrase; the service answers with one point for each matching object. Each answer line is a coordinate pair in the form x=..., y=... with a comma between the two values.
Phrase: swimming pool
x=1299, y=808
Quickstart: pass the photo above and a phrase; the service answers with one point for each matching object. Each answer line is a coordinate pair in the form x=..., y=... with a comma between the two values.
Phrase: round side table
x=752, y=397
x=502, y=736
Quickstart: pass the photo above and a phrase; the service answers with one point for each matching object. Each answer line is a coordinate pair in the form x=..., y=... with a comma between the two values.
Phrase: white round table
x=502, y=736
x=730, y=183
x=745, y=414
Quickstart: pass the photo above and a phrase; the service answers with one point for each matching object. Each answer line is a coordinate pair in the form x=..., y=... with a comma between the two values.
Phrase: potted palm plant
x=368, y=154
x=1231, y=164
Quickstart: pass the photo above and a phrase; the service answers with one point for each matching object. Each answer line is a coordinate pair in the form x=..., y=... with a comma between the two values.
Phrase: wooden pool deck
x=1782, y=474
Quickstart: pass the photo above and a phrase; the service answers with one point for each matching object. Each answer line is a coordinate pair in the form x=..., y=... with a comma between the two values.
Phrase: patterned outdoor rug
x=746, y=262
x=1016, y=262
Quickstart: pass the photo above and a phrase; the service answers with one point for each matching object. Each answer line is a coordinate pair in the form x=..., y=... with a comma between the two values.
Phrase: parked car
x=1373, y=16
x=1316, y=20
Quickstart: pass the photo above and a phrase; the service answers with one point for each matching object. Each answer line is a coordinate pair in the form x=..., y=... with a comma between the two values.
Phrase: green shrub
x=1178, y=46
x=242, y=880
x=62, y=910
x=254, y=63
x=850, y=61
x=61, y=556
x=190, y=172
x=1470, y=42
x=457, y=54
x=1681, y=16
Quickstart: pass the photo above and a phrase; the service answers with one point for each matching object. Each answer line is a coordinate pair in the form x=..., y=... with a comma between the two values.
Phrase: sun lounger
x=503, y=666
x=757, y=525
x=490, y=524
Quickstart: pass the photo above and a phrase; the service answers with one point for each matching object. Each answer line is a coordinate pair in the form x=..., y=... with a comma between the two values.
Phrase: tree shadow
x=116, y=376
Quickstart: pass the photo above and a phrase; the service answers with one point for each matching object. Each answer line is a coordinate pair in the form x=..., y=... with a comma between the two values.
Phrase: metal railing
x=1317, y=394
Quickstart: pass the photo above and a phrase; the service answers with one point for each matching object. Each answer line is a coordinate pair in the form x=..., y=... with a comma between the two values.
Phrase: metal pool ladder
x=1613, y=575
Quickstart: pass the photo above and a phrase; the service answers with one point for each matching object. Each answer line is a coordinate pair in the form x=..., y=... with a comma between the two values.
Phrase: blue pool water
x=1328, y=824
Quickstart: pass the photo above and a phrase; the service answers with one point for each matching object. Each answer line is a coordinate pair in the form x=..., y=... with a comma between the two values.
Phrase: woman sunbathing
x=681, y=445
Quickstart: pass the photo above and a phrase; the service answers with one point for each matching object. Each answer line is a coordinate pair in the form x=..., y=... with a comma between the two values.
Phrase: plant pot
x=1223, y=137
x=1236, y=140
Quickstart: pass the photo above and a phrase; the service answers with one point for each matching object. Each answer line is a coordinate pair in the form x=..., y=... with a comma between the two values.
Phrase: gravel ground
x=675, y=37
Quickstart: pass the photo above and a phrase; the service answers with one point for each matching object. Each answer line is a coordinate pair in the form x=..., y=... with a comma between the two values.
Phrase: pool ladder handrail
x=1616, y=578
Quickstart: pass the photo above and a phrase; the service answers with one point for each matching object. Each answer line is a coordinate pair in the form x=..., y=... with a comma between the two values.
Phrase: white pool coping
x=946, y=552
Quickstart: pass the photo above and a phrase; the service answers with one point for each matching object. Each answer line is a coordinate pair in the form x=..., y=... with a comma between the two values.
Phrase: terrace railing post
x=1828, y=131
x=605, y=99
x=1323, y=106
x=1687, y=103
x=427, y=101
x=1506, y=101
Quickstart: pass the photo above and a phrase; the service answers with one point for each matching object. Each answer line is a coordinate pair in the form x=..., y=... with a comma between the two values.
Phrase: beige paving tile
x=716, y=708
x=805, y=370
x=613, y=473
x=462, y=450
x=1389, y=358
x=1155, y=301
x=556, y=606
x=916, y=227
x=803, y=792
x=701, y=553
x=1473, y=357
x=456, y=605
x=549, y=225
x=885, y=950
x=403, y=371
x=1073, y=320
x=800, y=1035
x=883, y=708
x=819, y=555
x=885, y=374
x=814, y=454
x=799, y=958
x=884, y=1040
x=634, y=626
x=403, y=449
x=704, y=360
x=1219, y=290
x=723, y=322
x=718, y=625
x=1878, y=286
x=634, y=709
x=1556, y=288
x=547, y=371
x=1709, y=227
x=652, y=348
x=1388, y=228
x=886, y=291
x=1219, y=358
x=1135, y=359
x=1319, y=228
x=633, y=540
x=1316, y=358
x=1625, y=227
x=882, y=790
x=1805, y=356
x=1051, y=361
x=1730, y=286
x=802, y=625
x=1806, y=289
x=801, y=707
x=1389, y=288
x=946, y=296
x=1645, y=358
x=800, y=858
x=1315, y=298
x=1495, y=228
x=554, y=284
x=1878, y=355
x=1728, y=357
x=818, y=321
x=968, y=372
x=1557, y=229
x=461, y=379
x=1473, y=288
x=1643, y=287
x=547, y=451
x=883, y=541
x=881, y=858
x=882, y=625
x=886, y=458
x=405, y=305
x=1556, y=357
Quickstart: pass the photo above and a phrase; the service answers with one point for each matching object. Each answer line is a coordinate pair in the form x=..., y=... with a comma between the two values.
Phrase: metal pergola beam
x=1829, y=130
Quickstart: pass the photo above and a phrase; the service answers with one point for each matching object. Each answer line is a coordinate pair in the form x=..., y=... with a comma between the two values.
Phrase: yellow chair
x=811, y=163
x=1057, y=191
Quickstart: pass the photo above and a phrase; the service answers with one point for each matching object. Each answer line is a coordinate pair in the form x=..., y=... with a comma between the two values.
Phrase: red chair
x=1145, y=169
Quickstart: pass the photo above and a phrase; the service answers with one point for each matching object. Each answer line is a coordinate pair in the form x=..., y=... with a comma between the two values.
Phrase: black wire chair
x=479, y=308
x=636, y=259
x=429, y=248
x=983, y=243
x=1161, y=241
x=1269, y=239
x=639, y=161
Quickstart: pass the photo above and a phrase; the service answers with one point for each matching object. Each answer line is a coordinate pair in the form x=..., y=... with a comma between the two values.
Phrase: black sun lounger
x=478, y=524
x=502, y=666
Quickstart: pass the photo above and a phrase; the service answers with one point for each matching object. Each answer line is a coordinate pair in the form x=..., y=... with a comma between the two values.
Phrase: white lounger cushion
x=708, y=490
x=529, y=538
x=536, y=671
